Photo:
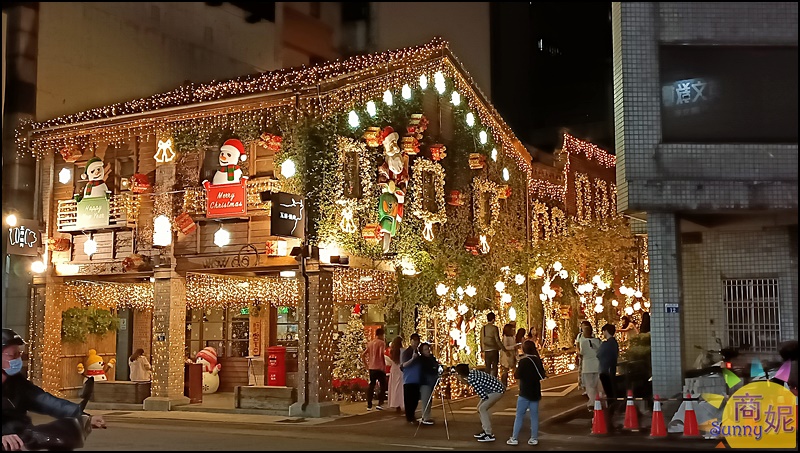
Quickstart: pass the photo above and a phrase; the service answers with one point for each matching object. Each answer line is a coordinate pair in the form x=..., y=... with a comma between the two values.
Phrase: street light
x=11, y=220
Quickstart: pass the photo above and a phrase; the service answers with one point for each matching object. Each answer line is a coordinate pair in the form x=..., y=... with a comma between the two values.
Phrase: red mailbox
x=276, y=366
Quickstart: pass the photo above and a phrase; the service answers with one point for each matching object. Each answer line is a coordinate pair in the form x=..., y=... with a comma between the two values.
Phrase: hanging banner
x=92, y=213
x=25, y=238
x=288, y=215
x=226, y=200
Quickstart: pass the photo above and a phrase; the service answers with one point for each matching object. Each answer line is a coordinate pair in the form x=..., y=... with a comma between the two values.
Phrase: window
x=752, y=308
x=227, y=331
x=287, y=331
x=263, y=163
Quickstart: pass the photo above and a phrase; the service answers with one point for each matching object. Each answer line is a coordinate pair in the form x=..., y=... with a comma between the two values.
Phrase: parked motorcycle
x=64, y=434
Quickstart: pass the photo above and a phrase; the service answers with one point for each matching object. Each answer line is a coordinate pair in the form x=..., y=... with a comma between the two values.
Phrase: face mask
x=15, y=366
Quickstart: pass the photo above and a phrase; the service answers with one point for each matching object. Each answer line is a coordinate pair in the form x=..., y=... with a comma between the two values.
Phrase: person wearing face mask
x=20, y=396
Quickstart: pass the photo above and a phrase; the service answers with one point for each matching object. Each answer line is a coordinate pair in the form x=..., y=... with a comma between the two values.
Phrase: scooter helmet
x=11, y=338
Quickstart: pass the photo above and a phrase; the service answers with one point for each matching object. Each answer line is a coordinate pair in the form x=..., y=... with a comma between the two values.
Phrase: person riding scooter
x=20, y=396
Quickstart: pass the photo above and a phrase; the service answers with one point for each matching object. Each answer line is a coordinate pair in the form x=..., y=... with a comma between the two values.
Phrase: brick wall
x=143, y=331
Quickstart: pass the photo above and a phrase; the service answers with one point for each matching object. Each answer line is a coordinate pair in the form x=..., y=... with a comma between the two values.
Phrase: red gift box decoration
x=409, y=145
x=185, y=223
x=373, y=136
x=417, y=125
x=477, y=161
x=271, y=142
x=438, y=152
x=71, y=153
x=504, y=191
x=455, y=198
x=371, y=231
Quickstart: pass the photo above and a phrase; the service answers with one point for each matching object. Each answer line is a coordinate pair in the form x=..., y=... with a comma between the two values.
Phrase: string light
x=356, y=284
x=455, y=98
x=387, y=97
x=470, y=119
x=442, y=289
x=483, y=139
x=494, y=154
x=372, y=110
x=506, y=176
x=519, y=279
x=423, y=82
x=483, y=186
x=230, y=291
x=471, y=291
x=421, y=168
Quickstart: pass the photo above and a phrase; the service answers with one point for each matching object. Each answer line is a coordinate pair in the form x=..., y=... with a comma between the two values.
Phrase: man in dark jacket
x=21, y=395
x=608, y=354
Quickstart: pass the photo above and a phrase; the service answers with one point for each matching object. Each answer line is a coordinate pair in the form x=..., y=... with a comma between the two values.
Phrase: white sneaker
x=533, y=441
x=512, y=441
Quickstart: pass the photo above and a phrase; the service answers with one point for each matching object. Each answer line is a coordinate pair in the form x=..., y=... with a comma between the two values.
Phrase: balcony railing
x=122, y=213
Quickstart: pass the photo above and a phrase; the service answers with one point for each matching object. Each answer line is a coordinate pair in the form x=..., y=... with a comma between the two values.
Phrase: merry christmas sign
x=226, y=200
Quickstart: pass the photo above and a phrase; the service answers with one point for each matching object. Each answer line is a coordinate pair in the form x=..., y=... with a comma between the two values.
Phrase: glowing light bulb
x=162, y=231
x=519, y=279
x=563, y=274
x=38, y=267
x=471, y=291
x=505, y=298
x=506, y=175
x=483, y=137
x=222, y=237
x=451, y=314
x=288, y=168
x=441, y=289
x=494, y=154
x=387, y=97
x=539, y=272
x=598, y=308
x=557, y=266
x=406, y=92
x=598, y=300
x=638, y=294
x=470, y=119
x=550, y=324
x=11, y=220
x=372, y=110
x=90, y=247
x=542, y=297
x=637, y=306
x=628, y=311
x=512, y=314
x=499, y=286
x=455, y=98
x=462, y=309
x=423, y=81
x=64, y=176
x=614, y=303
x=438, y=82
x=352, y=119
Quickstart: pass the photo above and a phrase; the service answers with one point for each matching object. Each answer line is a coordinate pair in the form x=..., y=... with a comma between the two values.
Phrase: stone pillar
x=316, y=331
x=47, y=344
x=665, y=288
x=169, y=332
x=169, y=307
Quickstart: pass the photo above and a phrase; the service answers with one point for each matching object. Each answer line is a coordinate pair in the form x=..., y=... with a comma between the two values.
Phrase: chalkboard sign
x=288, y=215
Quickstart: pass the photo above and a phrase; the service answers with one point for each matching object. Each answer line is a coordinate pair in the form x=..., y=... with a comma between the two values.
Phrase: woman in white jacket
x=590, y=365
x=139, y=366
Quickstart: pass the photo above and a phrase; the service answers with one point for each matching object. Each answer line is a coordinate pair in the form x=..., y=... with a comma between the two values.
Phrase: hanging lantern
x=372, y=136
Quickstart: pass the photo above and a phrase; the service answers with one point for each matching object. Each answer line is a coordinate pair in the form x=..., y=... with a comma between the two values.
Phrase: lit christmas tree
x=348, y=363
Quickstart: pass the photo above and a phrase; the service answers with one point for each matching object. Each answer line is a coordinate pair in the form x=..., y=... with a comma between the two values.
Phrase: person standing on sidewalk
x=490, y=390
x=508, y=356
x=590, y=365
x=529, y=373
x=395, y=375
x=491, y=344
x=376, y=364
x=607, y=355
x=412, y=376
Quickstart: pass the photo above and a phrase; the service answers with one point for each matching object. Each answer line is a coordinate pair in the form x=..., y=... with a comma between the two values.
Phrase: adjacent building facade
x=705, y=101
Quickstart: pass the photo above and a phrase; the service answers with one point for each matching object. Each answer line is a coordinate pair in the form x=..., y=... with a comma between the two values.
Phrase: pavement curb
x=560, y=417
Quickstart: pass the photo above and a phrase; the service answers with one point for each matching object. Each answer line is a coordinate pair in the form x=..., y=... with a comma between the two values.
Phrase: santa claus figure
x=95, y=174
x=208, y=358
x=230, y=154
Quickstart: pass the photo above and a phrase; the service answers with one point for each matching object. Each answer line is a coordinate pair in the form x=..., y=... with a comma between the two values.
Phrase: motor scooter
x=64, y=434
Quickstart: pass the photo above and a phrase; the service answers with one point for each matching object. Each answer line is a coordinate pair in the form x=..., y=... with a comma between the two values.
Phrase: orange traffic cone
x=599, y=420
x=690, y=428
x=658, y=428
x=631, y=415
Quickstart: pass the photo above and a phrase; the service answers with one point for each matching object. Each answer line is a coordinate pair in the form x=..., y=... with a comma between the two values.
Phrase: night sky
x=552, y=69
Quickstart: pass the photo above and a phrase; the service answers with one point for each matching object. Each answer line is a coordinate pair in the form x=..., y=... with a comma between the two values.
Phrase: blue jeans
x=523, y=404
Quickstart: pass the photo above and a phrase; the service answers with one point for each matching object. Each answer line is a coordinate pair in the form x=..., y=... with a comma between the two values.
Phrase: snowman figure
x=230, y=153
x=95, y=174
x=208, y=358
x=95, y=367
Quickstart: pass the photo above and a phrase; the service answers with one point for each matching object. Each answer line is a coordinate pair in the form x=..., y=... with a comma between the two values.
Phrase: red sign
x=226, y=200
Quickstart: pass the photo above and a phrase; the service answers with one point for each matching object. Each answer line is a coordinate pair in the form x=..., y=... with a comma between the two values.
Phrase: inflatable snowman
x=230, y=153
x=208, y=358
x=95, y=367
x=95, y=174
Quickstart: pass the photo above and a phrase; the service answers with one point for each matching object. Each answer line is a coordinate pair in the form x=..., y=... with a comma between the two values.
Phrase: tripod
x=444, y=410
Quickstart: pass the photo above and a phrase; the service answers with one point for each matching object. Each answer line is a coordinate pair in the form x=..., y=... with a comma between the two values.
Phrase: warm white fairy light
x=519, y=279
x=438, y=82
x=222, y=237
x=387, y=97
x=462, y=309
x=505, y=298
x=506, y=175
x=550, y=324
x=494, y=154
x=563, y=274
x=64, y=176
x=372, y=110
x=483, y=138
x=500, y=286
x=470, y=119
x=638, y=294
x=539, y=272
x=406, y=92
x=288, y=168
x=455, y=98
x=471, y=291
x=441, y=289
x=628, y=311
x=614, y=303
x=512, y=314
x=557, y=266
x=451, y=314
x=352, y=119
x=637, y=306
x=598, y=308
x=423, y=81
